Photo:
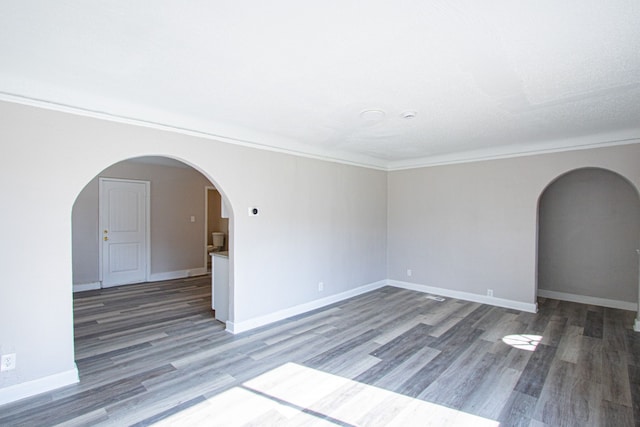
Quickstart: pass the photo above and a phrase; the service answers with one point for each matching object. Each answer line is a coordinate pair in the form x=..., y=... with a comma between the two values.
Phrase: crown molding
x=625, y=137
x=299, y=150
x=521, y=150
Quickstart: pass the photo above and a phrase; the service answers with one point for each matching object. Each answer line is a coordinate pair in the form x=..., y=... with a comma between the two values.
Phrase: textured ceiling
x=486, y=79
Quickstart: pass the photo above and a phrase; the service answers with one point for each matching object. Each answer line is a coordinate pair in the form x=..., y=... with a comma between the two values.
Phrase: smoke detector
x=372, y=115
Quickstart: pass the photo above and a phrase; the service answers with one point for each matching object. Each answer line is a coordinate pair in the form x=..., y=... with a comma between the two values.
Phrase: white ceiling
x=487, y=79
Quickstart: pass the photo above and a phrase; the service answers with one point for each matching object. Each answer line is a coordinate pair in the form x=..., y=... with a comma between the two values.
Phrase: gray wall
x=319, y=221
x=589, y=230
x=473, y=226
x=177, y=244
x=462, y=227
x=85, y=235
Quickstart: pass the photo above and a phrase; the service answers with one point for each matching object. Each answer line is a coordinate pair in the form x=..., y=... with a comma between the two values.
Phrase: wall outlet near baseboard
x=409, y=272
x=8, y=362
x=489, y=292
x=320, y=286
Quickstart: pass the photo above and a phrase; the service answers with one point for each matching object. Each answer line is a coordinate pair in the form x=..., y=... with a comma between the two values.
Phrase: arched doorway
x=588, y=234
x=178, y=217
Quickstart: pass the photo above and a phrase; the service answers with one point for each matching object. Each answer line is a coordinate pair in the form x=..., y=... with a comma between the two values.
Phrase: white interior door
x=123, y=226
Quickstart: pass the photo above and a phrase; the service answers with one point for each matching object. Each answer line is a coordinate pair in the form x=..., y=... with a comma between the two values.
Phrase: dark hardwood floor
x=152, y=354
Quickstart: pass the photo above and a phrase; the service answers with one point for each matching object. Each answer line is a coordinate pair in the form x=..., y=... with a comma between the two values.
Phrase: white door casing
x=124, y=231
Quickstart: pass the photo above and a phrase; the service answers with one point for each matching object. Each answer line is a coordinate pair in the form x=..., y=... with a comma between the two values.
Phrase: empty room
x=286, y=213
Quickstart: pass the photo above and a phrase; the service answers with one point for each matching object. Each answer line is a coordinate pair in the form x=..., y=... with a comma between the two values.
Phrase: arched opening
x=588, y=236
x=176, y=221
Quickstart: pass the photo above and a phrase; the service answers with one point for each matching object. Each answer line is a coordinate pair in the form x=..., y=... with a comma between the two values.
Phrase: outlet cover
x=8, y=362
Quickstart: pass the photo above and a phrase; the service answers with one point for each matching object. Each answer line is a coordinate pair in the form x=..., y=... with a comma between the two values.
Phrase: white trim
x=148, y=237
x=177, y=274
x=297, y=149
x=246, y=325
x=81, y=287
x=583, y=299
x=519, y=150
x=206, y=223
x=16, y=392
x=467, y=296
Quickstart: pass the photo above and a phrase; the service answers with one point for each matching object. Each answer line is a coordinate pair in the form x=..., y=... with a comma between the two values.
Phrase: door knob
x=106, y=238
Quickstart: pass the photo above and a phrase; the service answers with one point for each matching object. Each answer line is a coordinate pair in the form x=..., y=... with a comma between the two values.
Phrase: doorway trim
x=206, y=223
x=101, y=224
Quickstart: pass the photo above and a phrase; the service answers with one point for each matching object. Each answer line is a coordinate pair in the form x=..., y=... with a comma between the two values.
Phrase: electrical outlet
x=320, y=286
x=489, y=292
x=409, y=272
x=8, y=362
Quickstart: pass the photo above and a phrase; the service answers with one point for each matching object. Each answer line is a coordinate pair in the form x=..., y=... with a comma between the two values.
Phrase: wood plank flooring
x=152, y=354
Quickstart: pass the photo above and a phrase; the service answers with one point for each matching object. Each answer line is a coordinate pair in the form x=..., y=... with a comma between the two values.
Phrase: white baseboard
x=16, y=392
x=466, y=296
x=245, y=325
x=81, y=287
x=167, y=275
x=178, y=274
x=583, y=299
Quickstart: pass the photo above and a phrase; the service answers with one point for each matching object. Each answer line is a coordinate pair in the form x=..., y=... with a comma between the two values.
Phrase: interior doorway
x=169, y=194
x=588, y=236
x=217, y=216
x=176, y=226
x=124, y=224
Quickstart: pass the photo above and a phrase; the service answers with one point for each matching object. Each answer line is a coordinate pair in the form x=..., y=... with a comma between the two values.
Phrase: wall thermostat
x=254, y=211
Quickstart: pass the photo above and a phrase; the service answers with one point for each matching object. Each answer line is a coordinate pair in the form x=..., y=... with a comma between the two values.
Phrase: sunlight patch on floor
x=522, y=341
x=296, y=395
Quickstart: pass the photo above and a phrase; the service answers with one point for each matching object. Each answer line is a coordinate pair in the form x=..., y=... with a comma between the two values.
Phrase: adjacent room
x=283, y=213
